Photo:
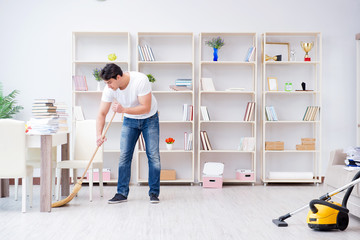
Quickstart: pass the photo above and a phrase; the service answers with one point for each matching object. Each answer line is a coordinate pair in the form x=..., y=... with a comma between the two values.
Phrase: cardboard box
x=305, y=147
x=278, y=145
x=106, y=175
x=168, y=174
x=244, y=175
x=308, y=139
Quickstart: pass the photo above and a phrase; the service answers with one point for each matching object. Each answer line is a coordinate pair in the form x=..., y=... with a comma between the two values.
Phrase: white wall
x=35, y=43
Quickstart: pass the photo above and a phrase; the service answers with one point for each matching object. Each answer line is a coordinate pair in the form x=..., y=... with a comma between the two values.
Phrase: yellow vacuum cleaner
x=325, y=215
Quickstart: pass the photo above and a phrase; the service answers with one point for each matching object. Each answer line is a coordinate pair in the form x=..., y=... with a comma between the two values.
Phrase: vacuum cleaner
x=324, y=214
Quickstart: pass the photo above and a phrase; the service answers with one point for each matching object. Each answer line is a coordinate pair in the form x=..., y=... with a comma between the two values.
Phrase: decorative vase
x=98, y=86
x=215, y=54
x=169, y=146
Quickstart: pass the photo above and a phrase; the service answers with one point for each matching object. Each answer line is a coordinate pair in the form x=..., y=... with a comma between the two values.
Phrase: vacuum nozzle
x=280, y=221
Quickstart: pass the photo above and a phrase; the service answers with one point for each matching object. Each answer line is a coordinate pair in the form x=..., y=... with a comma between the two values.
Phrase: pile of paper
x=353, y=157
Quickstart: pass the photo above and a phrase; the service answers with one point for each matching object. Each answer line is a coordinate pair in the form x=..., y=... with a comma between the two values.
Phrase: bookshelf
x=90, y=50
x=226, y=126
x=173, y=59
x=290, y=107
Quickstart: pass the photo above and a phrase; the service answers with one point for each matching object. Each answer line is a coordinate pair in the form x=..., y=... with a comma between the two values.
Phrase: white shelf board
x=227, y=63
x=273, y=122
x=164, y=62
x=292, y=92
x=227, y=92
x=172, y=92
x=225, y=151
x=171, y=151
x=227, y=122
x=291, y=63
x=99, y=62
x=169, y=181
x=291, y=151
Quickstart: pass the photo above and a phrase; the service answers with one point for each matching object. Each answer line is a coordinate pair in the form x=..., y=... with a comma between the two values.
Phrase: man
x=132, y=94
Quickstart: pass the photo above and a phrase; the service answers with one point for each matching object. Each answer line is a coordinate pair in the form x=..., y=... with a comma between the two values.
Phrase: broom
x=77, y=186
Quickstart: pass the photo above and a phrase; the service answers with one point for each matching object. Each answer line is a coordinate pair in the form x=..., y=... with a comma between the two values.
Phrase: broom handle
x=97, y=148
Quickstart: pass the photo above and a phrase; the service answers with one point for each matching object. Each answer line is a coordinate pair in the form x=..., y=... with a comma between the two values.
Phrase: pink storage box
x=244, y=175
x=106, y=175
x=212, y=175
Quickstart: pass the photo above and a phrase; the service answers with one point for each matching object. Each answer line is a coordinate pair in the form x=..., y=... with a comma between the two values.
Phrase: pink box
x=106, y=176
x=244, y=175
x=212, y=182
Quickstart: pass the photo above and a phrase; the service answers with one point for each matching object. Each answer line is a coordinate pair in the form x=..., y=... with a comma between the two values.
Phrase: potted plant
x=8, y=106
x=169, y=143
x=151, y=78
x=216, y=44
x=96, y=74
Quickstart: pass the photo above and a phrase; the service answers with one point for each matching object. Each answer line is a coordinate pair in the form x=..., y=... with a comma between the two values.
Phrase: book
x=48, y=102
x=179, y=88
x=203, y=142
x=207, y=84
x=80, y=83
x=204, y=113
x=207, y=140
x=79, y=116
x=141, y=54
x=249, y=54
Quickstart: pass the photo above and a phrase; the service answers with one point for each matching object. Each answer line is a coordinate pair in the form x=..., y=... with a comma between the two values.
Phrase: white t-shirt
x=138, y=86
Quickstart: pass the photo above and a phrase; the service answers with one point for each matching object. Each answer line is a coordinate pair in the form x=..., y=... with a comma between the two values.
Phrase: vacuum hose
x=326, y=203
x=348, y=192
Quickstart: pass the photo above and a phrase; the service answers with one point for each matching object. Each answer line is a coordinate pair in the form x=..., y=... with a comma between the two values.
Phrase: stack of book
x=44, y=117
x=205, y=142
x=146, y=53
x=271, y=114
x=249, y=112
x=311, y=113
x=61, y=111
x=80, y=83
x=188, y=112
x=188, y=139
x=184, y=82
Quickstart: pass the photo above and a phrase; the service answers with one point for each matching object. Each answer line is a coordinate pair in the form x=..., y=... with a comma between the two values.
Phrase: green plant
x=151, y=78
x=96, y=74
x=216, y=43
x=8, y=104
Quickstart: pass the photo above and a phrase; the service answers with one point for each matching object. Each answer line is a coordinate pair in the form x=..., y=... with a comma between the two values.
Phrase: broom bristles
x=75, y=191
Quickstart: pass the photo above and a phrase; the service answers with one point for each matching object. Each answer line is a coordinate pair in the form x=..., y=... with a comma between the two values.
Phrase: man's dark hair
x=111, y=70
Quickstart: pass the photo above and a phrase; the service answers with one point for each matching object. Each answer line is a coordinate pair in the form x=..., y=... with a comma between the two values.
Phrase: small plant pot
x=169, y=146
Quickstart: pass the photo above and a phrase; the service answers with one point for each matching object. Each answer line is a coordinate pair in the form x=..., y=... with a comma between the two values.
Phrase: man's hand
x=100, y=140
x=117, y=107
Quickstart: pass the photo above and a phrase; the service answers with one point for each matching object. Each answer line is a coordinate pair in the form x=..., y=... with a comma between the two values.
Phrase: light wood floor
x=185, y=212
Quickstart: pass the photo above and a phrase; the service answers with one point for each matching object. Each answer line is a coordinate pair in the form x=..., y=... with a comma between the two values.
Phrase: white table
x=46, y=142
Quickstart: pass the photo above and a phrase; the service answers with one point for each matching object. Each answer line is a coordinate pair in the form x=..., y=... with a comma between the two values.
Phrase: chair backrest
x=85, y=141
x=12, y=148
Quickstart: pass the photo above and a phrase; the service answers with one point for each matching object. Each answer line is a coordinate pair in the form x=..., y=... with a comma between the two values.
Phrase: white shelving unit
x=227, y=108
x=90, y=51
x=290, y=106
x=174, y=59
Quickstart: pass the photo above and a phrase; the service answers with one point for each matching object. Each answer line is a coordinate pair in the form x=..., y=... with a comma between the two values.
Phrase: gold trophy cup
x=307, y=47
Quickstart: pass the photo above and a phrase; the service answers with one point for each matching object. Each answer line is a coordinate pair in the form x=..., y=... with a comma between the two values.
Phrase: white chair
x=33, y=160
x=13, y=153
x=84, y=147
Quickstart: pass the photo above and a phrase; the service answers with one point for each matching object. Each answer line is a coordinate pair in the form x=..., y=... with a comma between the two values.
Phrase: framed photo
x=272, y=84
x=276, y=48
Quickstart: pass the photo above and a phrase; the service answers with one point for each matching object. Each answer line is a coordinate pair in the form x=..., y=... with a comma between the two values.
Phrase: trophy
x=307, y=47
x=275, y=58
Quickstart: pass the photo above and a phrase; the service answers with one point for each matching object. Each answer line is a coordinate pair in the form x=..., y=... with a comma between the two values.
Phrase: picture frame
x=272, y=84
x=278, y=48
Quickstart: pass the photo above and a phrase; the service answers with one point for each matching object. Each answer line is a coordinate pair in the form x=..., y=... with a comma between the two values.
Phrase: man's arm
x=143, y=107
x=100, y=121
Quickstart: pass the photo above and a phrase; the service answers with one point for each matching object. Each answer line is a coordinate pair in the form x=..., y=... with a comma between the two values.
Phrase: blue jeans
x=130, y=133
